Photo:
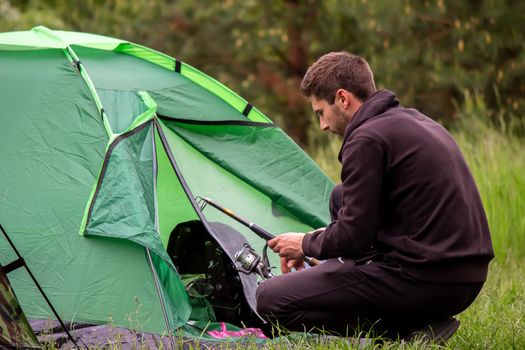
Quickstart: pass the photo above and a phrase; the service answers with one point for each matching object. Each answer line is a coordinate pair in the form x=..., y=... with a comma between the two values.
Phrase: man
x=409, y=244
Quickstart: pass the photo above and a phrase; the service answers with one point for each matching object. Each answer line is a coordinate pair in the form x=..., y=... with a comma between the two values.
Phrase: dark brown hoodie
x=408, y=193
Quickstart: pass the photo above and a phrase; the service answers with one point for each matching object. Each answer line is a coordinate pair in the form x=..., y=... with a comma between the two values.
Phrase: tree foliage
x=431, y=53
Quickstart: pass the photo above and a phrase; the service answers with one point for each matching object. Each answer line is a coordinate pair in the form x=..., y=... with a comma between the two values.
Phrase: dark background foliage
x=431, y=53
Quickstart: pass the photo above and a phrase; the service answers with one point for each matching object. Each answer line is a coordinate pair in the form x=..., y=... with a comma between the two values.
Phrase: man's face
x=331, y=117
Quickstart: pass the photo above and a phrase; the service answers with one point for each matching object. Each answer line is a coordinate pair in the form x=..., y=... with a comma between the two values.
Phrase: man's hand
x=288, y=265
x=288, y=245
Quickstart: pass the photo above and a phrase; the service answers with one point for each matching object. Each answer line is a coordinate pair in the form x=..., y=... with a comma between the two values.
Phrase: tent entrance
x=212, y=281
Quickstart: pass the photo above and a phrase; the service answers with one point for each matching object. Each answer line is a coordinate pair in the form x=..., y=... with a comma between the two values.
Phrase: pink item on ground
x=225, y=333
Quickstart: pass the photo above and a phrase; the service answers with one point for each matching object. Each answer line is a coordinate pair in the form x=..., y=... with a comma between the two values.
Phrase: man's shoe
x=437, y=331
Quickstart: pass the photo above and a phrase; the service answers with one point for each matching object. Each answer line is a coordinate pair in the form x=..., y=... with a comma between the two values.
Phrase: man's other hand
x=288, y=265
x=288, y=245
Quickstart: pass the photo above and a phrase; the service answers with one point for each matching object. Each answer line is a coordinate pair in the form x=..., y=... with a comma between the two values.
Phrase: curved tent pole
x=180, y=177
x=162, y=303
x=197, y=77
x=21, y=262
x=152, y=266
x=75, y=61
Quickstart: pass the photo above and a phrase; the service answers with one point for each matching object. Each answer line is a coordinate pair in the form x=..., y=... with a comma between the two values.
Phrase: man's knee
x=266, y=299
x=274, y=297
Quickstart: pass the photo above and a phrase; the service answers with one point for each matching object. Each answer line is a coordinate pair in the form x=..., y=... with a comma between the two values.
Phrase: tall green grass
x=496, y=319
x=497, y=161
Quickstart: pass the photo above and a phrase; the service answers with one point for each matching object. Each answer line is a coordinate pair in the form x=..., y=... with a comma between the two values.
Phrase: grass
x=496, y=319
x=497, y=162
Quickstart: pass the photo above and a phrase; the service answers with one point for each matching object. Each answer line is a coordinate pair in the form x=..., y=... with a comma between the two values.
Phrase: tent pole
x=23, y=263
x=155, y=276
x=162, y=303
x=183, y=183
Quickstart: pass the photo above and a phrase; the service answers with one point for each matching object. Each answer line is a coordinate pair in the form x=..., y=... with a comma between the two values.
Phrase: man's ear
x=343, y=98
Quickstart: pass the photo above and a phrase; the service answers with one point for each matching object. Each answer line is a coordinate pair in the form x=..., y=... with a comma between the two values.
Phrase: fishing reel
x=251, y=262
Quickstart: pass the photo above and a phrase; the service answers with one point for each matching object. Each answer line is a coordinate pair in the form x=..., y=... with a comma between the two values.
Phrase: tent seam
x=154, y=272
x=75, y=61
x=161, y=297
x=178, y=173
x=219, y=122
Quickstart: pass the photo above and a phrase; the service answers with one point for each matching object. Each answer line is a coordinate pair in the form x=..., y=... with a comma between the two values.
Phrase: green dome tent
x=104, y=146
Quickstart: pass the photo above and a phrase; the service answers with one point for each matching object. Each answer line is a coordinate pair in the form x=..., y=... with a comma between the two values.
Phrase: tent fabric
x=173, y=204
x=230, y=191
x=42, y=38
x=103, y=137
x=121, y=107
x=195, y=76
x=123, y=206
x=174, y=94
x=268, y=160
x=147, y=54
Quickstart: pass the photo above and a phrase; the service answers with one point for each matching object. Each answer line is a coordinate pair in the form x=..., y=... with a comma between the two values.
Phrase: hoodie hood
x=375, y=105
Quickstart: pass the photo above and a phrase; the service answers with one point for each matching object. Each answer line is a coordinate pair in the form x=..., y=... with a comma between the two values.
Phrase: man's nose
x=323, y=125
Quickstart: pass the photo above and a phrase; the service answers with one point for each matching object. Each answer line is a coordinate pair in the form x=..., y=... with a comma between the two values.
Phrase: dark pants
x=342, y=296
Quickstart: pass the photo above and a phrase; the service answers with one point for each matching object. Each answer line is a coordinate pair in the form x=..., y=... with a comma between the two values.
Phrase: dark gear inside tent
x=211, y=278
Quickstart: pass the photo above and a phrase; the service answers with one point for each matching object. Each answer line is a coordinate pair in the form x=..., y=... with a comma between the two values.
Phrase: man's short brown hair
x=338, y=70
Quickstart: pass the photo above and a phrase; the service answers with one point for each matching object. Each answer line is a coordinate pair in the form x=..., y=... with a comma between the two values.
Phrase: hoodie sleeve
x=356, y=226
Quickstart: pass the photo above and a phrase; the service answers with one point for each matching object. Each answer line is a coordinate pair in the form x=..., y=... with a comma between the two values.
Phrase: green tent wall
x=104, y=145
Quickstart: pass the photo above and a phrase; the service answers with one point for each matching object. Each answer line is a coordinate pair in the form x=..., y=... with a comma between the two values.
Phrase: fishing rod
x=259, y=231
